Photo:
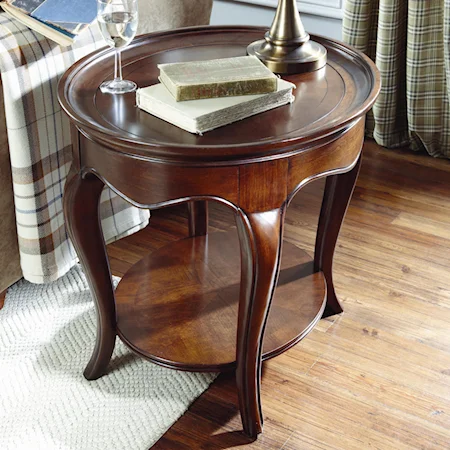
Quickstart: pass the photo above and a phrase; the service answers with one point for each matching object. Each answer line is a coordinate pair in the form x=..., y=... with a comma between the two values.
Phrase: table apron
x=338, y=156
x=260, y=186
x=150, y=184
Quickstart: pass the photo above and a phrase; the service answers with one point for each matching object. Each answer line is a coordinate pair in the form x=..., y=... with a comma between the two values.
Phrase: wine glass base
x=118, y=87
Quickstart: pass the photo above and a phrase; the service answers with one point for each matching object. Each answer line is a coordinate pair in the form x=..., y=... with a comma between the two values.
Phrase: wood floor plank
x=420, y=224
x=376, y=376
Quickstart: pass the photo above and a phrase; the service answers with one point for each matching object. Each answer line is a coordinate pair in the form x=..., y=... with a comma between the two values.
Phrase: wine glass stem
x=118, y=66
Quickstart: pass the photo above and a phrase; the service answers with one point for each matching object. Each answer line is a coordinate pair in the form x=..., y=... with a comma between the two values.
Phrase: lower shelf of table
x=178, y=306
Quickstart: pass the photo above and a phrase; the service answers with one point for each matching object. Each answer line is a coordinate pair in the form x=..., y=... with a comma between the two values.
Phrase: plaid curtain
x=410, y=43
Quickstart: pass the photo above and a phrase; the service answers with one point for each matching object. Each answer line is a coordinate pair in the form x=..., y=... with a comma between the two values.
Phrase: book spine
x=226, y=89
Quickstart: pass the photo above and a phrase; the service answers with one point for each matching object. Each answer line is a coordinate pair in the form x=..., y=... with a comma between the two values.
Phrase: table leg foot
x=260, y=237
x=81, y=204
x=337, y=195
x=198, y=218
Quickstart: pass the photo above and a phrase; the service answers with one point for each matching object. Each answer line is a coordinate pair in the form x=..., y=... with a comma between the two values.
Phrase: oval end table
x=191, y=305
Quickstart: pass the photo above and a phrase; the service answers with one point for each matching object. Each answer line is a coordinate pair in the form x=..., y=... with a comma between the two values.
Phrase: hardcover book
x=199, y=116
x=58, y=20
x=242, y=75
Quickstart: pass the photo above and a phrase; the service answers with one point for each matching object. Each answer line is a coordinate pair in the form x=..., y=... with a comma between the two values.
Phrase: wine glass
x=118, y=21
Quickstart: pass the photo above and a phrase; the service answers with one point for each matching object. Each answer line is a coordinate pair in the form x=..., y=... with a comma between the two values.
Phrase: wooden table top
x=325, y=101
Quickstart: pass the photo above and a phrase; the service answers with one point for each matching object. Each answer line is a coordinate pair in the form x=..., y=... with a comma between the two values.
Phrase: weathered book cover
x=66, y=16
x=199, y=116
x=242, y=75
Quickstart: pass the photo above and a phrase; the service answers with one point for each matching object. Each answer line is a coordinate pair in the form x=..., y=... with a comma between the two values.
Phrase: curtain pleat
x=410, y=44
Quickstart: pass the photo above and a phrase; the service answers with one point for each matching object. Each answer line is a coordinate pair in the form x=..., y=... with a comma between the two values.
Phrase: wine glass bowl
x=118, y=21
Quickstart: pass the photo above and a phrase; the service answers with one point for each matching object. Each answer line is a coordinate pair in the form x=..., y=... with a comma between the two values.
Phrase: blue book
x=70, y=15
x=66, y=18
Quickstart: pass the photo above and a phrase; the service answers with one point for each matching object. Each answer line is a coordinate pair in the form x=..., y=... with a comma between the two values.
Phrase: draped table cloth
x=40, y=150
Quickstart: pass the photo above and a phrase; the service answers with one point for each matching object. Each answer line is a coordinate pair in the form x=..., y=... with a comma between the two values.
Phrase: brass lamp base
x=286, y=47
x=307, y=57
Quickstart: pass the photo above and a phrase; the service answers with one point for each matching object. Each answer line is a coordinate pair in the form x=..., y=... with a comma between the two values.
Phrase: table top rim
x=95, y=131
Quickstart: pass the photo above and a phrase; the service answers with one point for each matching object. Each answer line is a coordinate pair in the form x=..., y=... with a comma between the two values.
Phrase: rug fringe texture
x=47, y=333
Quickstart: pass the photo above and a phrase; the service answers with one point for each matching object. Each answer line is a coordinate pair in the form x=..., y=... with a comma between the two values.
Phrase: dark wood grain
x=150, y=183
x=81, y=202
x=336, y=198
x=261, y=235
x=263, y=186
x=326, y=101
x=193, y=325
x=198, y=218
x=255, y=167
x=338, y=156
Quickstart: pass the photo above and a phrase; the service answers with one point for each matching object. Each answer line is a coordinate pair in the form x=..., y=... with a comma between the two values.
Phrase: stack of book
x=200, y=96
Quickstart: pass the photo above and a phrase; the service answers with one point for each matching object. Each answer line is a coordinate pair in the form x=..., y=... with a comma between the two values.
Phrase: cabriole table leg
x=336, y=198
x=198, y=218
x=260, y=236
x=81, y=205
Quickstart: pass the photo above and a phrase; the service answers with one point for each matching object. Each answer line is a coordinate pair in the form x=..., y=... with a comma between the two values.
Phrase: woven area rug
x=46, y=337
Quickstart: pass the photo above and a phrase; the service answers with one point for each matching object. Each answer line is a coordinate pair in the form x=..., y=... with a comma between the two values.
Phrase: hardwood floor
x=376, y=376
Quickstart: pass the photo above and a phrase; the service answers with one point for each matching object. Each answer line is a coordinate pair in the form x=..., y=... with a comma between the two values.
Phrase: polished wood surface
x=198, y=218
x=201, y=307
x=255, y=167
x=376, y=376
x=326, y=101
x=336, y=198
x=81, y=200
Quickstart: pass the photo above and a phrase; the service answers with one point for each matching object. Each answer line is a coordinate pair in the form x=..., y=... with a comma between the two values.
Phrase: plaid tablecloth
x=40, y=149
